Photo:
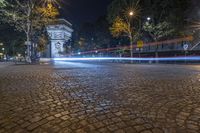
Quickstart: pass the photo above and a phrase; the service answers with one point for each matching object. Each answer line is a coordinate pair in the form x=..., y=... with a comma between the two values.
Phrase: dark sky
x=79, y=11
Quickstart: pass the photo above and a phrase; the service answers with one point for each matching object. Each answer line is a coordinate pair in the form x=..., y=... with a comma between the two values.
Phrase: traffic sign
x=185, y=47
x=140, y=44
x=137, y=49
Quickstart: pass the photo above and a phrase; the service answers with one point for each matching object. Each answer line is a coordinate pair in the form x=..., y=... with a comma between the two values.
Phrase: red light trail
x=173, y=41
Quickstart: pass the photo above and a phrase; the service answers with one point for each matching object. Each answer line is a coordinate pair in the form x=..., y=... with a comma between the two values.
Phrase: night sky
x=80, y=11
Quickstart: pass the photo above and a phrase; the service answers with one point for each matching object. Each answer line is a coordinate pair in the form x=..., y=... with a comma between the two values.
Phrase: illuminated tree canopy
x=120, y=27
x=159, y=31
x=167, y=17
x=2, y=3
x=49, y=11
x=21, y=13
x=28, y=16
x=121, y=8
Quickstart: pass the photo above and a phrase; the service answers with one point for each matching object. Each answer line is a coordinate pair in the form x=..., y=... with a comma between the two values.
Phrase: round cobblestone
x=95, y=97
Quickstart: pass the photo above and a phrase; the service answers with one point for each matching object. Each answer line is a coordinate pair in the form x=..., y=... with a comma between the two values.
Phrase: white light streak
x=194, y=58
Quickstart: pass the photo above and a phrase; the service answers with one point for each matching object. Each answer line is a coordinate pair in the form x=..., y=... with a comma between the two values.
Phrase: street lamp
x=148, y=18
x=131, y=13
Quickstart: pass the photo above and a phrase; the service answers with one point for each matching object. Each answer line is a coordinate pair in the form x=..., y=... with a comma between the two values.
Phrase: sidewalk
x=5, y=64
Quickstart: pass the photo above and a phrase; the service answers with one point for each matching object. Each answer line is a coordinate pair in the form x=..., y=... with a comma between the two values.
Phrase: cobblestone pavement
x=100, y=98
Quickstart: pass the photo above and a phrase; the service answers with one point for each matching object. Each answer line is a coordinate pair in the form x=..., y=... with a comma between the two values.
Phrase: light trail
x=192, y=58
x=172, y=42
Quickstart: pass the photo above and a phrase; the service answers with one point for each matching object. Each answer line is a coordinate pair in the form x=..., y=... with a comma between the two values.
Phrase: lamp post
x=148, y=18
x=131, y=14
x=28, y=43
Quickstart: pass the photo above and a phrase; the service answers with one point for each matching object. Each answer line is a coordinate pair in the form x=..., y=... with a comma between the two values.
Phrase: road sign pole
x=185, y=56
x=185, y=47
x=140, y=45
x=139, y=55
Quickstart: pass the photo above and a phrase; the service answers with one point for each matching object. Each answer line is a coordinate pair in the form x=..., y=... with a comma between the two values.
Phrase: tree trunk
x=131, y=47
x=28, y=54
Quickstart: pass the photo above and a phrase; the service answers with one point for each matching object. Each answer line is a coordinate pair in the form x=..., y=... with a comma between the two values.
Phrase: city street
x=88, y=97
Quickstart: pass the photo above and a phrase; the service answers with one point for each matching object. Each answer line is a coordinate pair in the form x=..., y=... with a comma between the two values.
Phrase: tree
x=102, y=34
x=3, y=3
x=28, y=16
x=122, y=27
x=92, y=36
x=122, y=8
x=42, y=41
x=159, y=31
x=13, y=40
x=167, y=19
x=49, y=12
x=124, y=17
x=85, y=37
x=47, y=16
x=173, y=12
x=162, y=12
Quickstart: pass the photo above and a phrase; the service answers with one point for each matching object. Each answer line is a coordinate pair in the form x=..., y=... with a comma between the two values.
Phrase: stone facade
x=59, y=33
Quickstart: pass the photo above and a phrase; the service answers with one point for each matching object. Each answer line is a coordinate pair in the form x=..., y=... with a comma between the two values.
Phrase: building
x=60, y=32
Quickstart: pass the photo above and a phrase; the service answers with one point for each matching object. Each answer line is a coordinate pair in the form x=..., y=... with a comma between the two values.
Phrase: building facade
x=60, y=33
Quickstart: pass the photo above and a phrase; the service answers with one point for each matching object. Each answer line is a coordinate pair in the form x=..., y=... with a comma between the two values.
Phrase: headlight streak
x=191, y=58
x=173, y=42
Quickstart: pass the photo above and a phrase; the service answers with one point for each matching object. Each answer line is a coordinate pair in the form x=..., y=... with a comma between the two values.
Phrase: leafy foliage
x=120, y=27
x=124, y=28
x=102, y=34
x=13, y=40
x=42, y=41
x=121, y=8
x=124, y=24
x=159, y=31
x=49, y=12
x=3, y=3
x=23, y=13
x=29, y=17
x=171, y=11
x=169, y=16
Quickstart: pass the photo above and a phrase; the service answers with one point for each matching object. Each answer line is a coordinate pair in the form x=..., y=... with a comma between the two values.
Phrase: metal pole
x=131, y=47
x=28, y=51
x=185, y=56
x=131, y=50
x=28, y=43
x=139, y=55
x=131, y=35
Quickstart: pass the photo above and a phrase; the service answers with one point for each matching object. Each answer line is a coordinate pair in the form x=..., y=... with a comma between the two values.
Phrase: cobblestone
x=102, y=98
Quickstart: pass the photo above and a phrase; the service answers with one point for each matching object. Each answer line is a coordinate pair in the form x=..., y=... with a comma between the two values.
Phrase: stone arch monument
x=60, y=32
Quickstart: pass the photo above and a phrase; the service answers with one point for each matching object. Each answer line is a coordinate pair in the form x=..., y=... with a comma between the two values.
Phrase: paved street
x=100, y=98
